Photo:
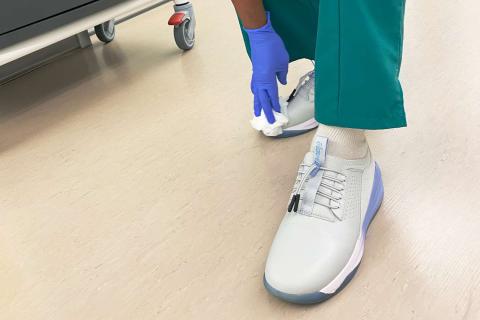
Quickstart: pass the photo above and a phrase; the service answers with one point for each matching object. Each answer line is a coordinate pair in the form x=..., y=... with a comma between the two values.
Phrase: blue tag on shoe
x=320, y=152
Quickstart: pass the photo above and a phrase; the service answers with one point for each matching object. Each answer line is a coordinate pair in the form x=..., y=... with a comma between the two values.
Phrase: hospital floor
x=132, y=186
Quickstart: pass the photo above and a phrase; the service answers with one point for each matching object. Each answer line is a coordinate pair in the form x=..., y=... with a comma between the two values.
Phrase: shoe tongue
x=311, y=204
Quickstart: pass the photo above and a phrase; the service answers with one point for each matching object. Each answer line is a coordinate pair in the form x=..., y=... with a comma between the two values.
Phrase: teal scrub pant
x=357, y=48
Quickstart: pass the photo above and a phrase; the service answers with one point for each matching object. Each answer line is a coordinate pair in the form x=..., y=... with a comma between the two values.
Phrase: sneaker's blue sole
x=374, y=204
x=309, y=298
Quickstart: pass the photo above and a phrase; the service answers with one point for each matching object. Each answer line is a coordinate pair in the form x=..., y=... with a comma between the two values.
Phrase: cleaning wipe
x=271, y=130
x=275, y=129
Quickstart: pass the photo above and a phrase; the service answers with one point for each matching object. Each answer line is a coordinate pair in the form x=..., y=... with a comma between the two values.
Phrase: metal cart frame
x=103, y=22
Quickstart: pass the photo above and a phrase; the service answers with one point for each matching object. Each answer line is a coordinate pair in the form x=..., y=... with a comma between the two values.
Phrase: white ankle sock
x=344, y=142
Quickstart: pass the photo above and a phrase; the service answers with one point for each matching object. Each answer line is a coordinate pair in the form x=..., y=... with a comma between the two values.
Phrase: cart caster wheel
x=184, y=34
x=106, y=31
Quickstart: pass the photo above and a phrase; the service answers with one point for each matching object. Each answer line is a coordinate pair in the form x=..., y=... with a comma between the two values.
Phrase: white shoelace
x=331, y=180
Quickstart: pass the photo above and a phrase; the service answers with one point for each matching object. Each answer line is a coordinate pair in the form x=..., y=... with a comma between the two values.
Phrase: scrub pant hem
x=361, y=123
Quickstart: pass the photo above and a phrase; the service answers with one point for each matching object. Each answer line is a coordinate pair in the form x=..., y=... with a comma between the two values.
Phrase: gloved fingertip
x=270, y=118
x=282, y=77
x=267, y=106
x=275, y=104
x=257, y=108
x=277, y=108
x=274, y=99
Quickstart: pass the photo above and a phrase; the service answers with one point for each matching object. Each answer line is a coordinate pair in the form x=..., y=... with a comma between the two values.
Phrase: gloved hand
x=270, y=61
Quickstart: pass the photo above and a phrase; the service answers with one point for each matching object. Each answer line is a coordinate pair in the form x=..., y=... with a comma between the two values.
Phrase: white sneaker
x=297, y=112
x=299, y=108
x=320, y=242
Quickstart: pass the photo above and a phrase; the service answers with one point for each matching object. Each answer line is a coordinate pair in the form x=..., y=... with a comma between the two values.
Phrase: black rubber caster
x=106, y=31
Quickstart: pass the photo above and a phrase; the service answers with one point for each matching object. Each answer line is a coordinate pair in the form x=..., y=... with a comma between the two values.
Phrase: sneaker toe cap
x=305, y=259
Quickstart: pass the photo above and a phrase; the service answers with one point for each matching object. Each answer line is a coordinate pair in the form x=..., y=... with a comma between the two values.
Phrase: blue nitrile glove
x=270, y=61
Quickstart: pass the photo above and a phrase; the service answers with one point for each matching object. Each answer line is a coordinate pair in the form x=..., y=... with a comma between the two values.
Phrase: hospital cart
x=27, y=26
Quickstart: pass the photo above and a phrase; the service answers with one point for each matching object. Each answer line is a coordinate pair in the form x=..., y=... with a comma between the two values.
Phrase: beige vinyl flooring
x=132, y=186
